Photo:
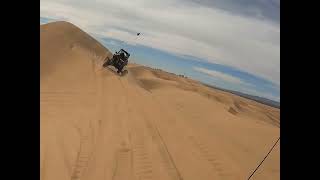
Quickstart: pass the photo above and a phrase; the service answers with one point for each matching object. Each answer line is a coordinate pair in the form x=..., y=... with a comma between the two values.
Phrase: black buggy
x=119, y=60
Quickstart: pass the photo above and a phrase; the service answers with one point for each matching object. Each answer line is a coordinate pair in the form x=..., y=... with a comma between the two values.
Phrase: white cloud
x=249, y=44
x=219, y=75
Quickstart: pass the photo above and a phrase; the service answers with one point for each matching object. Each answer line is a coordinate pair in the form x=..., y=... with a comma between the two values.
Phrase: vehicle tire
x=107, y=63
x=110, y=61
x=124, y=72
x=119, y=70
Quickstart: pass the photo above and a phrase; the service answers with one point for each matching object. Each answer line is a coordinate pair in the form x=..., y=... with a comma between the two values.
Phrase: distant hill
x=262, y=100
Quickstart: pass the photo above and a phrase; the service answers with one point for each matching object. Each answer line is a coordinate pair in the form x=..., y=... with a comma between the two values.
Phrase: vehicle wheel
x=124, y=72
x=107, y=63
x=119, y=70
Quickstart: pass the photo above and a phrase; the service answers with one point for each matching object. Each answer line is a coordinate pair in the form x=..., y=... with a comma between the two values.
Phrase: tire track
x=166, y=161
x=107, y=129
x=218, y=168
x=142, y=161
x=82, y=158
x=217, y=161
x=87, y=140
x=212, y=157
x=123, y=169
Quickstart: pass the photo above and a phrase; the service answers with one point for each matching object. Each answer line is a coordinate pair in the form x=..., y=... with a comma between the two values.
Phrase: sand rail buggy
x=119, y=60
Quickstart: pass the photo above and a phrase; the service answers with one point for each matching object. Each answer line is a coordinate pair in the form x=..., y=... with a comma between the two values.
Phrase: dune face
x=148, y=124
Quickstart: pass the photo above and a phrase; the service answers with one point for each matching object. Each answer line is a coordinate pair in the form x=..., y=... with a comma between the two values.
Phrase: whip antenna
x=264, y=158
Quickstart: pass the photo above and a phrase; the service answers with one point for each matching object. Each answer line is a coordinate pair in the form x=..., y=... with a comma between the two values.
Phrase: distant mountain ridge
x=262, y=100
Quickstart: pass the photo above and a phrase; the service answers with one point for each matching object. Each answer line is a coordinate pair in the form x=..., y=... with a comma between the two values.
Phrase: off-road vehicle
x=119, y=60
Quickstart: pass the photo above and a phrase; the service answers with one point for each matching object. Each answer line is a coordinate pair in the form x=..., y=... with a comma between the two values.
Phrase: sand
x=149, y=124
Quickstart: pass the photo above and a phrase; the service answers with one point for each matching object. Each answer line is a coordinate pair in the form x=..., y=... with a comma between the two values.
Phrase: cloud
x=216, y=33
x=219, y=75
x=262, y=9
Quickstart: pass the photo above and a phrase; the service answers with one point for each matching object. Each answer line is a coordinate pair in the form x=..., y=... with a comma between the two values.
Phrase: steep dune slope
x=147, y=125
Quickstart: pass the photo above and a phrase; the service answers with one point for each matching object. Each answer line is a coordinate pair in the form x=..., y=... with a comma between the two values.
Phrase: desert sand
x=149, y=124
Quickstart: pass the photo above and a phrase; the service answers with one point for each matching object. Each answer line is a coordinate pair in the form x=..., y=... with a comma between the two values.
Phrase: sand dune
x=148, y=124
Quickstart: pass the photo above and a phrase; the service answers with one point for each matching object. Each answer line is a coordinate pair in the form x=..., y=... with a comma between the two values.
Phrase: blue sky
x=232, y=44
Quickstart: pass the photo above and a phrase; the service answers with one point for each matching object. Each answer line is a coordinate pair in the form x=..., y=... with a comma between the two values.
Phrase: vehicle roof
x=124, y=51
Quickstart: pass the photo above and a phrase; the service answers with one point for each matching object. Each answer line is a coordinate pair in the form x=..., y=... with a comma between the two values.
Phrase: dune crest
x=149, y=124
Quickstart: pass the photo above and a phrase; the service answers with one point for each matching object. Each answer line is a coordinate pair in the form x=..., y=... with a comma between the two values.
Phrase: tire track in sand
x=87, y=136
x=213, y=158
x=123, y=168
x=142, y=145
x=218, y=162
x=82, y=158
x=141, y=156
